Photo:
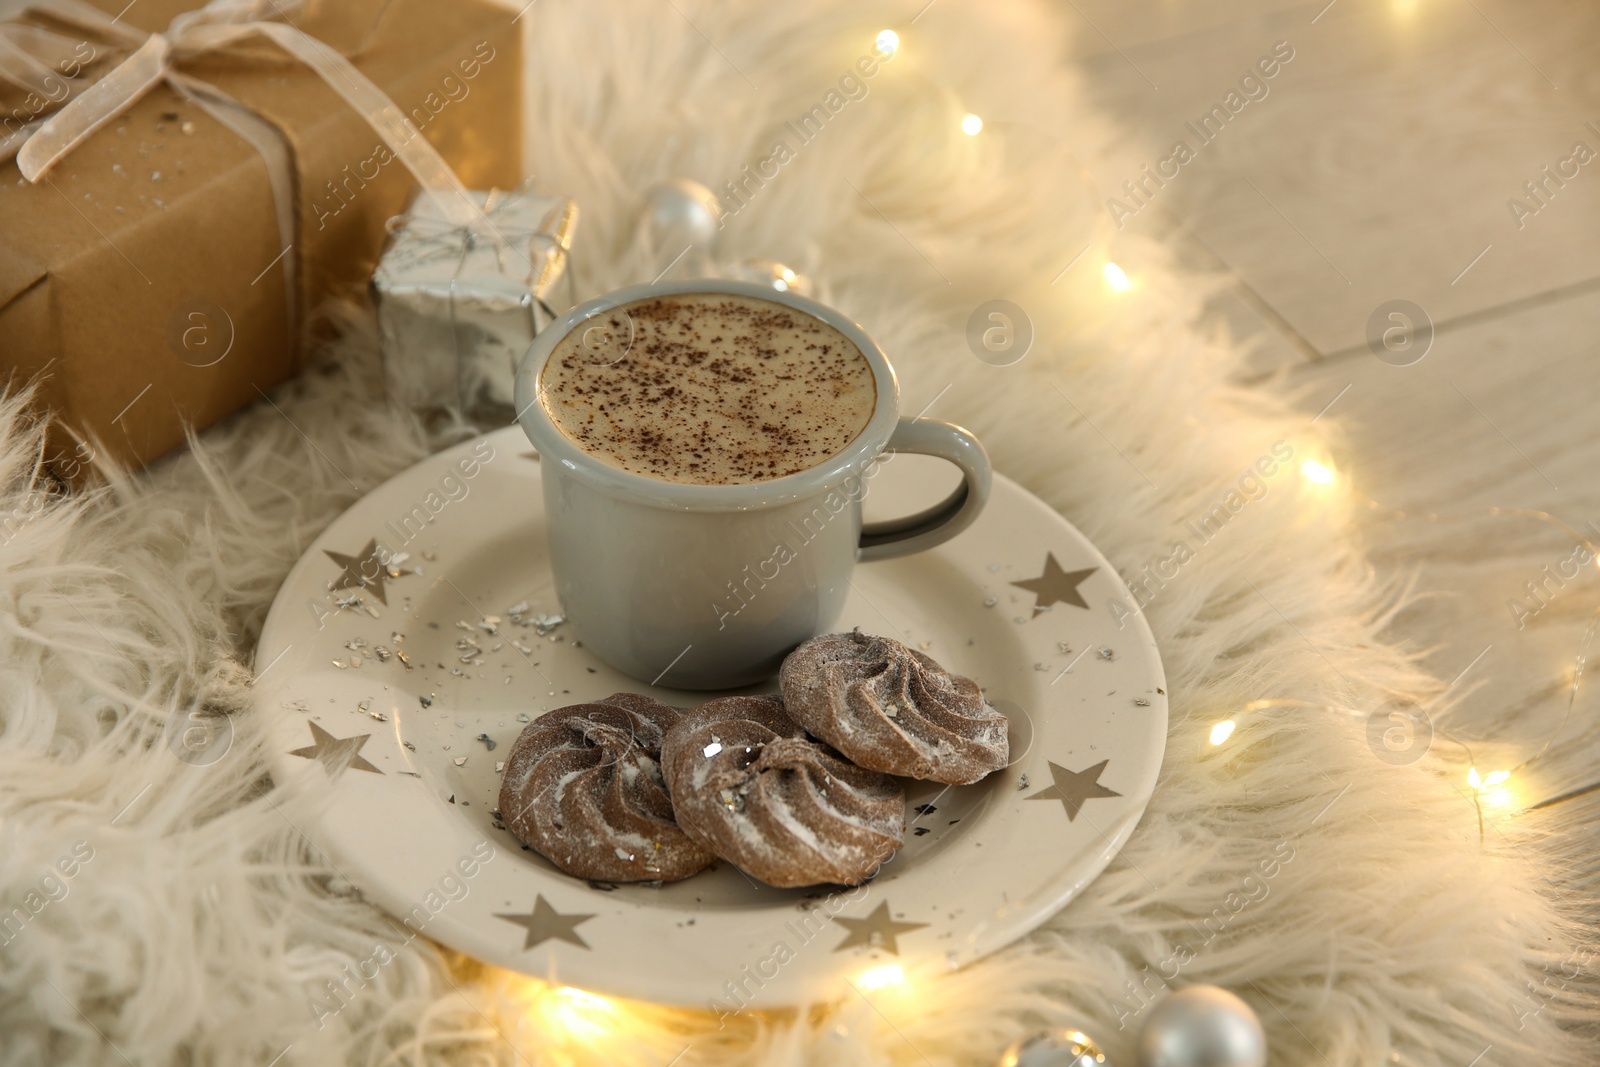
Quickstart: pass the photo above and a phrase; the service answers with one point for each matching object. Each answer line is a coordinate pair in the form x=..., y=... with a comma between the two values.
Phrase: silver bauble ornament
x=1055, y=1048
x=680, y=214
x=771, y=273
x=1202, y=1026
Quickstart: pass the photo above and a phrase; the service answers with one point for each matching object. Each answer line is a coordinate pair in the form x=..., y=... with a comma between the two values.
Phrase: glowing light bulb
x=1222, y=731
x=583, y=997
x=1116, y=277
x=881, y=977
x=887, y=43
x=1320, y=473
x=583, y=1015
x=971, y=125
x=1501, y=799
x=1491, y=789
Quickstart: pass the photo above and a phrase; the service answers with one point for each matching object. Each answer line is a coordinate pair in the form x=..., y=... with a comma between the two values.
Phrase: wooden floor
x=1386, y=161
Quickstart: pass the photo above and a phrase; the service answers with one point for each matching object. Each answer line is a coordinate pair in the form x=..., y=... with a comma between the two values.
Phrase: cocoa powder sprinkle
x=709, y=389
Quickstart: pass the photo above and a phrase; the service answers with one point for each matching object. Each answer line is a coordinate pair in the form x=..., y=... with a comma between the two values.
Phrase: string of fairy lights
x=590, y=1020
x=1490, y=789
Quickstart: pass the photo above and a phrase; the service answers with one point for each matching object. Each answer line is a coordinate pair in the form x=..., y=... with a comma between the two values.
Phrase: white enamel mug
x=710, y=586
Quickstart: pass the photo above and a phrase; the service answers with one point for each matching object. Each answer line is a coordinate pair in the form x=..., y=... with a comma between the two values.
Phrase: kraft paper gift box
x=142, y=280
x=457, y=310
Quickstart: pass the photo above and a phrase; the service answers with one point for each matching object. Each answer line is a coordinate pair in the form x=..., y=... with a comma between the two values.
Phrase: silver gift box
x=457, y=310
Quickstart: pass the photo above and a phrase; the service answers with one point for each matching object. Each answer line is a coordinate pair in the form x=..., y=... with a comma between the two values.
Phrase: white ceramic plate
x=410, y=789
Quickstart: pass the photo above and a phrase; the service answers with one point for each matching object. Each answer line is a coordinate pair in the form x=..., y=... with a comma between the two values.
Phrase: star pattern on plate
x=336, y=754
x=545, y=923
x=1072, y=788
x=1056, y=586
x=877, y=930
x=362, y=571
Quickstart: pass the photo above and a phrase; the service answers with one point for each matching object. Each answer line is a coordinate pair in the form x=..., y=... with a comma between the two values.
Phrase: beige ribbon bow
x=28, y=55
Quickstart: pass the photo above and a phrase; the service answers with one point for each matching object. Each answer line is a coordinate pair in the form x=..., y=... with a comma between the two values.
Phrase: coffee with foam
x=708, y=389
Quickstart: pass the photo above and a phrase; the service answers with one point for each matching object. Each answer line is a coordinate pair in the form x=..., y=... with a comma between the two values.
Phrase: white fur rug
x=171, y=914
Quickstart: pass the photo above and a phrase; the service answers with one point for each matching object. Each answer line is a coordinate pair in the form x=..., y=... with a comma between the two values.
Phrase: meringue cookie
x=749, y=785
x=583, y=788
x=890, y=708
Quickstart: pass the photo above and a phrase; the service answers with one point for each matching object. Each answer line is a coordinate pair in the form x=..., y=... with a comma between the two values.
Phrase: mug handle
x=935, y=525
